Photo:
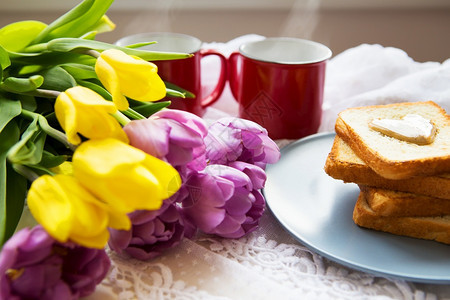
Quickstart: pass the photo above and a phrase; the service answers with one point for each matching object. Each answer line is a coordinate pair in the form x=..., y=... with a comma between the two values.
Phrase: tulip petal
x=125, y=75
x=189, y=120
x=228, y=226
x=109, y=78
x=50, y=206
x=118, y=220
x=66, y=114
x=81, y=110
x=124, y=177
x=95, y=241
x=141, y=134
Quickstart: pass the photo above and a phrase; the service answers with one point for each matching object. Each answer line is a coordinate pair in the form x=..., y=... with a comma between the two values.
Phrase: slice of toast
x=428, y=228
x=390, y=203
x=343, y=164
x=391, y=157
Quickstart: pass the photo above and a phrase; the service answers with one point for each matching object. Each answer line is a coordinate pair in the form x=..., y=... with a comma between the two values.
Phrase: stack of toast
x=404, y=178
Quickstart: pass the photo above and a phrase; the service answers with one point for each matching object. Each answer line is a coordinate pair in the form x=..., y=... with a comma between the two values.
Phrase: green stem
x=93, y=53
x=43, y=93
x=54, y=133
x=131, y=113
x=36, y=48
x=25, y=172
x=123, y=120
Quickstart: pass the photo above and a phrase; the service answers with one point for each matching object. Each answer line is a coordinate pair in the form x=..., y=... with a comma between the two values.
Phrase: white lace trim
x=134, y=279
x=307, y=273
x=252, y=267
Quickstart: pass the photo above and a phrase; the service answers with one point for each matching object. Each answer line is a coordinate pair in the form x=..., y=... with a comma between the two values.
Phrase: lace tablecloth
x=268, y=263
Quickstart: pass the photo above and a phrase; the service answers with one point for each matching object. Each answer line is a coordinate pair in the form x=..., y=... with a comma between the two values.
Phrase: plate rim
x=328, y=254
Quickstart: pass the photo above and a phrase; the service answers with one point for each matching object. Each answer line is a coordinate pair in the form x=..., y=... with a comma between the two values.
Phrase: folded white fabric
x=372, y=74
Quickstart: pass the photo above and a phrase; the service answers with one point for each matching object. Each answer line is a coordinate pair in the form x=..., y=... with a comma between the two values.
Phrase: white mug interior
x=166, y=42
x=286, y=50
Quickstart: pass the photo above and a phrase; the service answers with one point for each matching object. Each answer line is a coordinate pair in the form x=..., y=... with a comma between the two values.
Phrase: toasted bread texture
x=390, y=203
x=428, y=228
x=342, y=163
x=391, y=157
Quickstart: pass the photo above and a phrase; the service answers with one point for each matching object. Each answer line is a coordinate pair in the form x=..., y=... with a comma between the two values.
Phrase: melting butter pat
x=412, y=128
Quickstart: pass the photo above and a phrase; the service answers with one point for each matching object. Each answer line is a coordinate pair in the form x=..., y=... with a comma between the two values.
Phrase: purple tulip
x=152, y=232
x=172, y=135
x=35, y=266
x=225, y=200
x=233, y=139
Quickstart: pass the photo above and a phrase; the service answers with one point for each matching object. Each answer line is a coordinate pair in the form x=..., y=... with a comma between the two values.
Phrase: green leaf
x=72, y=44
x=8, y=110
x=89, y=35
x=10, y=200
x=80, y=71
x=50, y=58
x=16, y=192
x=85, y=17
x=96, y=88
x=149, y=108
x=50, y=160
x=20, y=55
x=29, y=70
x=4, y=61
x=4, y=58
x=28, y=150
x=103, y=25
x=16, y=36
x=60, y=27
x=28, y=102
x=139, y=45
x=57, y=79
x=176, y=91
x=22, y=85
x=84, y=23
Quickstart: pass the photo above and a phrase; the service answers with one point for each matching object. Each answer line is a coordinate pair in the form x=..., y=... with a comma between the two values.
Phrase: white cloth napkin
x=372, y=74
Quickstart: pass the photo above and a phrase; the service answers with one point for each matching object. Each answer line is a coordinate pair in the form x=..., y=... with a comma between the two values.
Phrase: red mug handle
x=215, y=94
x=233, y=74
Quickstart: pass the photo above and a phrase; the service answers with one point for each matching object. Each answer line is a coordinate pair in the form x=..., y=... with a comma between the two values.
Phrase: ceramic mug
x=185, y=73
x=279, y=84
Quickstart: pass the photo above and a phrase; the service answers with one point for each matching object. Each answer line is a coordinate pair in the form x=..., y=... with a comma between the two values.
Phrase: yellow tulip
x=130, y=76
x=81, y=110
x=124, y=177
x=64, y=168
x=68, y=211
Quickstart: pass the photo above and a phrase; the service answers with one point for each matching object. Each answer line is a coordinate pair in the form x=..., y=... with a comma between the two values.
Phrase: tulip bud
x=124, y=177
x=81, y=110
x=130, y=76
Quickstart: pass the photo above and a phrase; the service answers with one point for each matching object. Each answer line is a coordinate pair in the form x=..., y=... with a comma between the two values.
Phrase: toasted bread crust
x=342, y=165
x=428, y=228
x=392, y=168
x=389, y=203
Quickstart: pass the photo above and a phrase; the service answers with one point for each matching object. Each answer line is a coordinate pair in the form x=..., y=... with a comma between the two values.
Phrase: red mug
x=185, y=73
x=279, y=84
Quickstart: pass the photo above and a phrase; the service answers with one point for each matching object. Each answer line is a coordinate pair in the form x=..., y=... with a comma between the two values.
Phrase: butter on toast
x=342, y=163
x=391, y=157
x=429, y=228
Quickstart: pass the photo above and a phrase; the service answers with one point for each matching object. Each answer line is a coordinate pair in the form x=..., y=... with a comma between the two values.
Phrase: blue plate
x=317, y=210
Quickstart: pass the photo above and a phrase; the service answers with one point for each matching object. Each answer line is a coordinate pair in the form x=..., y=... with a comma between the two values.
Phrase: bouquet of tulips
x=88, y=147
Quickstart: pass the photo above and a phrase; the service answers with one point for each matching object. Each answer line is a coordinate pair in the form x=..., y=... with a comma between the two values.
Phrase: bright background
x=420, y=27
